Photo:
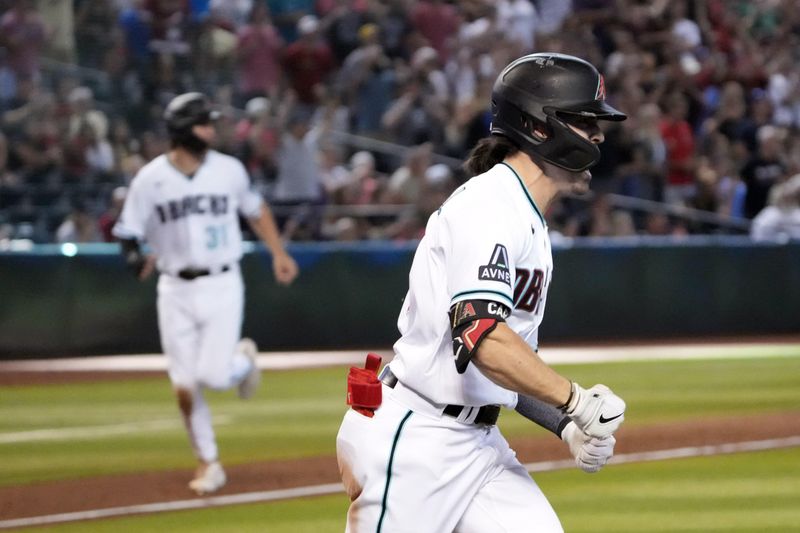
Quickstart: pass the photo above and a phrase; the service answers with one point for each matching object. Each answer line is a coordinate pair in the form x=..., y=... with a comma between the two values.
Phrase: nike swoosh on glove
x=598, y=412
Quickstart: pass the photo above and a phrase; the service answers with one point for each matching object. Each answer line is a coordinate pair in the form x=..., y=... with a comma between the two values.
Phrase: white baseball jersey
x=189, y=221
x=192, y=222
x=488, y=241
x=410, y=467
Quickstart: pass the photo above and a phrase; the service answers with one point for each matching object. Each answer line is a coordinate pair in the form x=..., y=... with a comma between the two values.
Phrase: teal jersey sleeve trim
x=503, y=296
x=389, y=470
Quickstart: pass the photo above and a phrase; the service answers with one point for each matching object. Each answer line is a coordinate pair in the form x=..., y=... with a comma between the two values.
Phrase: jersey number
x=216, y=236
x=528, y=289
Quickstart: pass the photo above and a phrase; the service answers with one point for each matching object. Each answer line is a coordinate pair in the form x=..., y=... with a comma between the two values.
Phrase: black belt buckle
x=487, y=414
x=193, y=273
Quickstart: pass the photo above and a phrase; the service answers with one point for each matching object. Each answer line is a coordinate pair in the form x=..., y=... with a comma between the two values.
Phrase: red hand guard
x=364, y=393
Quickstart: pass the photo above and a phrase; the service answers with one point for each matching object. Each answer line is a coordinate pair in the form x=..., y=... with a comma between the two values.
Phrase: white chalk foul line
x=678, y=453
x=318, y=359
x=181, y=505
x=335, y=488
x=93, y=432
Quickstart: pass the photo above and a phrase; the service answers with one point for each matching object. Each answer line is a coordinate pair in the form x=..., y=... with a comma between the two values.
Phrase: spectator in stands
x=37, y=149
x=237, y=13
x=394, y=27
x=83, y=111
x=298, y=190
x=405, y=186
x=520, y=18
x=367, y=80
x=426, y=67
x=99, y=154
x=259, y=49
x=764, y=169
x=679, y=141
x=258, y=139
x=308, y=62
x=342, y=25
x=135, y=23
x=601, y=220
x=366, y=184
x=8, y=179
x=414, y=118
x=287, y=13
x=437, y=185
x=79, y=226
x=438, y=22
x=334, y=175
x=93, y=19
x=643, y=176
x=23, y=33
x=780, y=221
x=735, y=73
x=108, y=218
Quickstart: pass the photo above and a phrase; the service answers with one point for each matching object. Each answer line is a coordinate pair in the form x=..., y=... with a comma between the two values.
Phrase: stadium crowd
x=366, y=106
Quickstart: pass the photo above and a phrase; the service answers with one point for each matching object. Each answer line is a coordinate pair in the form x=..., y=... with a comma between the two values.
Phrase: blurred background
x=353, y=118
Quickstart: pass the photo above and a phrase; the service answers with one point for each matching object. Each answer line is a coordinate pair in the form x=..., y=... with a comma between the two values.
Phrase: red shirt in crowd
x=679, y=141
x=437, y=22
x=307, y=64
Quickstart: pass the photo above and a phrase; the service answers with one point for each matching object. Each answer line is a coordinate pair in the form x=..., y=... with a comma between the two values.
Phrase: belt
x=486, y=414
x=192, y=273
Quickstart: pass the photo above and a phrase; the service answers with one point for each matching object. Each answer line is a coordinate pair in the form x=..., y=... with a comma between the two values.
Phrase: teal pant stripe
x=389, y=470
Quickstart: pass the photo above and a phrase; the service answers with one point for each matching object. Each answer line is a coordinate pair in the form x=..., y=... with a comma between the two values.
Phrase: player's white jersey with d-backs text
x=488, y=241
x=189, y=222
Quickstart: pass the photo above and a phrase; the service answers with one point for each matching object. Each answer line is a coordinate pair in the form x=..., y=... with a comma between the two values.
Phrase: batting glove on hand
x=590, y=453
x=598, y=412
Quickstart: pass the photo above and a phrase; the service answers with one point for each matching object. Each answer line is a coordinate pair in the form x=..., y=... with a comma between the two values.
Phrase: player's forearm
x=264, y=226
x=508, y=361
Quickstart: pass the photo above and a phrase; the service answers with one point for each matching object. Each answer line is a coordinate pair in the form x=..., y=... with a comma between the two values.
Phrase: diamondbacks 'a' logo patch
x=467, y=311
x=497, y=269
x=461, y=312
x=601, y=89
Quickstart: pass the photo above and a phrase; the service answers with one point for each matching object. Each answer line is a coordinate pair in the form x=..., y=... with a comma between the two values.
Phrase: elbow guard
x=470, y=322
x=133, y=255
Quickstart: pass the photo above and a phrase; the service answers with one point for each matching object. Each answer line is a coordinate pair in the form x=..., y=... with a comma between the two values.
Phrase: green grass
x=746, y=492
x=663, y=391
x=297, y=413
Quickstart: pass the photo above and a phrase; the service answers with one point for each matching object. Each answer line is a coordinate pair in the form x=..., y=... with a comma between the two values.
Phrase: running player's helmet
x=187, y=110
x=540, y=93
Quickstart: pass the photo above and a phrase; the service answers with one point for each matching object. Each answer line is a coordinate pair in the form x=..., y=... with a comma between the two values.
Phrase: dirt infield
x=163, y=486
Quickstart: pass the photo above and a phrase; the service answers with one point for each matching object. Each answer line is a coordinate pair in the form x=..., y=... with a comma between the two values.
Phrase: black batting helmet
x=538, y=93
x=187, y=110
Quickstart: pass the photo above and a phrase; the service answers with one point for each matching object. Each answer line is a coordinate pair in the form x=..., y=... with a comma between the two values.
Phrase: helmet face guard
x=539, y=93
x=562, y=147
x=185, y=112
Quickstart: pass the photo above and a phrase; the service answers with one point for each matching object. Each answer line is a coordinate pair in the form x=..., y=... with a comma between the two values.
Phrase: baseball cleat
x=209, y=478
x=251, y=381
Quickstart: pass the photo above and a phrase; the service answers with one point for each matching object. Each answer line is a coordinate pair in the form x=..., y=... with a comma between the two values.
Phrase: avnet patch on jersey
x=497, y=269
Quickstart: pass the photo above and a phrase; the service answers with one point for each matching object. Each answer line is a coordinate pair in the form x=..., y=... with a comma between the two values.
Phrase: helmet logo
x=601, y=89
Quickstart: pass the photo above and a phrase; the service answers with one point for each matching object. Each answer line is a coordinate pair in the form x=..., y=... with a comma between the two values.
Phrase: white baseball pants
x=200, y=324
x=410, y=469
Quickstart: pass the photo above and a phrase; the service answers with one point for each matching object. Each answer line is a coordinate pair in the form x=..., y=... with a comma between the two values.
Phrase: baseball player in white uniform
x=420, y=451
x=185, y=204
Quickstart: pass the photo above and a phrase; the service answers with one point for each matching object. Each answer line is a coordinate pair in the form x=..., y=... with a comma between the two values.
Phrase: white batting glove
x=598, y=412
x=590, y=453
